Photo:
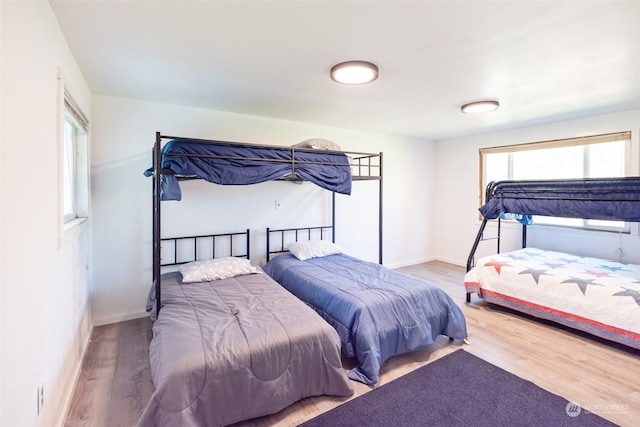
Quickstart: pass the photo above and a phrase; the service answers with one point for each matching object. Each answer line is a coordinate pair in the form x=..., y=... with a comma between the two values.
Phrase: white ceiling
x=543, y=60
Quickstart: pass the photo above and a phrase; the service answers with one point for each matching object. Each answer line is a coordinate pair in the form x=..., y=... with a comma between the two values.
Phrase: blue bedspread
x=241, y=164
x=590, y=198
x=377, y=312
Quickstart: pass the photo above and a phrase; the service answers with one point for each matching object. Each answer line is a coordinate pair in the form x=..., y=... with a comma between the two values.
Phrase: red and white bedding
x=593, y=295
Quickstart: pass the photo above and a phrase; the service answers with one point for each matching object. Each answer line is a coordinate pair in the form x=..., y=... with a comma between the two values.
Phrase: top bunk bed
x=319, y=161
x=592, y=198
x=613, y=199
x=233, y=163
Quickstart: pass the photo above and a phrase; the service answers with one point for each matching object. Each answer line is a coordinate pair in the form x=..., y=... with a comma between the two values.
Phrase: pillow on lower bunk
x=313, y=249
x=215, y=269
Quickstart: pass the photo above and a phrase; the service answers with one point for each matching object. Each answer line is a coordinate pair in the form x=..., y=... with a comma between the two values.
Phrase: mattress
x=234, y=349
x=377, y=312
x=590, y=294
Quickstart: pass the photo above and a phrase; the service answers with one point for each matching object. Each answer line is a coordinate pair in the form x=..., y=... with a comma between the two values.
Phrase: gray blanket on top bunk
x=233, y=349
x=240, y=164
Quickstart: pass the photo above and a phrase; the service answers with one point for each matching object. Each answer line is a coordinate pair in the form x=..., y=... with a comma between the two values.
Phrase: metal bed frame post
x=380, y=246
x=268, y=243
x=380, y=210
x=333, y=217
x=157, y=156
x=248, y=244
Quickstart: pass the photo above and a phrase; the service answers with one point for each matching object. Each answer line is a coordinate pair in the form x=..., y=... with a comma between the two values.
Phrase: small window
x=601, y=156
x=75, y=162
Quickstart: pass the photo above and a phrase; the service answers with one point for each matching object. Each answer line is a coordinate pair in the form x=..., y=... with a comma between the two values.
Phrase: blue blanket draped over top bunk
x=604, y=199
x=240, y=164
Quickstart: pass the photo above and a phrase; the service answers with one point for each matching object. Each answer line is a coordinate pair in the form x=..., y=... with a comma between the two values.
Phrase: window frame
x=69, y=112
x=585, y=141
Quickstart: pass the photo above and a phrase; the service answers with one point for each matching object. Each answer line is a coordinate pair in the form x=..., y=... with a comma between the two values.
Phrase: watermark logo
x=573, y=409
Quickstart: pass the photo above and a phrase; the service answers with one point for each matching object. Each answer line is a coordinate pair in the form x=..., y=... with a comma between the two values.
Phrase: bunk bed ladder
x=480, y=235
x=480, y=238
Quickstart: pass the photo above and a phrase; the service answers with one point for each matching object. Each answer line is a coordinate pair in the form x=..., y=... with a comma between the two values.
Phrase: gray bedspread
x=235, y=349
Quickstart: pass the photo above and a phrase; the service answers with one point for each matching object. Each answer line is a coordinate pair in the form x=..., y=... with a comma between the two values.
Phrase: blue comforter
x=228, y=163
x=590, y=198
x=377, y=312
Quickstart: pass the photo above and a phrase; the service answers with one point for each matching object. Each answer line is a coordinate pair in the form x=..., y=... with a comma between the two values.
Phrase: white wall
x=123, y=132
x=44, y=281
x=458, y=191
x=1, y=209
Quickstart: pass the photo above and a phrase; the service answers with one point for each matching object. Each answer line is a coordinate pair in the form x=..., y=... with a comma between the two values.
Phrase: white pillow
x=313, y=249
x=318, y=144
x=214, y=269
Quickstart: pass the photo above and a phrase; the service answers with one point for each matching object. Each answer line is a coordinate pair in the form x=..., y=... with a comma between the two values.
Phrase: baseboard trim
x=421, y=261
x=408, y=263
x=450, y=261
x=120, y=318
x=66, y=404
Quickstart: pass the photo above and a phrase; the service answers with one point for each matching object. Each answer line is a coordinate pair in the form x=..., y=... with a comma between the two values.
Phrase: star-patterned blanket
x=590, y=294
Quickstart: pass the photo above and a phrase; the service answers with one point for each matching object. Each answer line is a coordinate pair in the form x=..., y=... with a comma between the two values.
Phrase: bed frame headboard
x=184, y=249
x=277, y=239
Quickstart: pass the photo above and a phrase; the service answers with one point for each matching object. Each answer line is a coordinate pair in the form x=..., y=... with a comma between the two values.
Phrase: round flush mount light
x=480, y=107
x=354, y=72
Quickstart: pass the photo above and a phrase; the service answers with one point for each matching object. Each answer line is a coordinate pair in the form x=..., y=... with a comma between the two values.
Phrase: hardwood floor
x=115, y=382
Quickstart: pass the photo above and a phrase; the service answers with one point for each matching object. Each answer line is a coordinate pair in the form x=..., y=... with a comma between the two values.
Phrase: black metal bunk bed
x=218, y=346
x=615, y=199
x=226, y=163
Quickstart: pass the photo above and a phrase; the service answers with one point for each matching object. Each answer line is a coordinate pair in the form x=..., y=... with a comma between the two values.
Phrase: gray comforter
x=235, y=349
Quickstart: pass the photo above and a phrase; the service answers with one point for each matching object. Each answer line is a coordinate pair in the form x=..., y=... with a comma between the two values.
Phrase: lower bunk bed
x=231, y=344
x=597, y=296
x=593, y=295
x=378, y=312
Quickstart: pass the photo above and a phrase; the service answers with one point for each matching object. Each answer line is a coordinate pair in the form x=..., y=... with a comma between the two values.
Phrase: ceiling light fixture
x=480, y=107
x=354, y=72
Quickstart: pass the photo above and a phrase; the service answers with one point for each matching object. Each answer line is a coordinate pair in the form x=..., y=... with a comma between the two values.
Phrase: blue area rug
x=459, y=389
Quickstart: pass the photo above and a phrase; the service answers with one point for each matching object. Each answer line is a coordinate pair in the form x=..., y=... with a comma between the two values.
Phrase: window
x=598, y=156
x=75, y=164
